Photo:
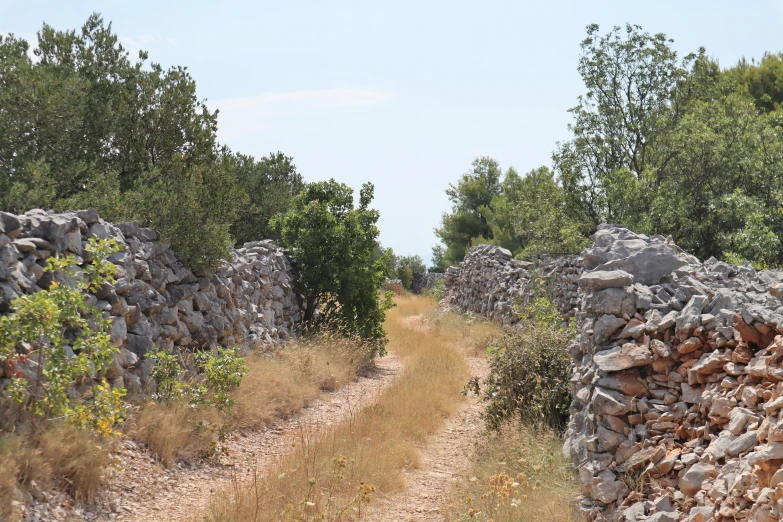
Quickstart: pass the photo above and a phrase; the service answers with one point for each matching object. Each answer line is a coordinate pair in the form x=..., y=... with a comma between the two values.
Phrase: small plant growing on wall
x=55, y=342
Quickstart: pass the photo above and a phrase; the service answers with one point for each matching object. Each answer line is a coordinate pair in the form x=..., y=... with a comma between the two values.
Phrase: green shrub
x=221, y=373
x=334, y=246
x=60, y=339
x=405, y=275
x=208, y=397
x=438, y=291
x=530, y=369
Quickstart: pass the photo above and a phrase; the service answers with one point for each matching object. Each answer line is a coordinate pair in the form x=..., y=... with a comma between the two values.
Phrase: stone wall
x=156, y=303
x=677, y=380
x=422, y=282
x=490, y=283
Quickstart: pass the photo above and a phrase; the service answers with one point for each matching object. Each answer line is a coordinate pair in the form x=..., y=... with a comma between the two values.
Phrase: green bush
x=60, y=340
x=530, y=369
x=406, y=276
x=220, y=373
x=334, y=246
x=438, y=291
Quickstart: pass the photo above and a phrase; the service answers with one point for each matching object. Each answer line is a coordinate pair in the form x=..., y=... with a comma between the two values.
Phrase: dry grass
x=397, y=288
x=9, y=469
x=517, y=475
x=475, y=334
x=275, y=386
x=330, y=474
x=54, y=455
x=170, y=431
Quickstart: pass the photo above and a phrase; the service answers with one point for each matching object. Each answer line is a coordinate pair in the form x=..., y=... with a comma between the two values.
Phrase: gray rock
x=608, y=402
x=664, y=516
x=600, y=280
x=719, y=445
x=139, y=344
x=691, y=479
x=690, y=316
x=649, y=265
x=615, y=301
x=743, y=443
x=605, y=326
x=629, y=355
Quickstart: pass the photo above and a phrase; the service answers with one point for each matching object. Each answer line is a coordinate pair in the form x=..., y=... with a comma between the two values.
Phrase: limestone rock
x=601, y=280
x=623, y=357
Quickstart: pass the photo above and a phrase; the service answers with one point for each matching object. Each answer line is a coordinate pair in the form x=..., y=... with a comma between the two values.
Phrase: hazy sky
x=403, y=94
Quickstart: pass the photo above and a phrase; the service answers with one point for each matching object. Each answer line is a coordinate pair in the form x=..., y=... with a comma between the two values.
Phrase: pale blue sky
x=403, y=94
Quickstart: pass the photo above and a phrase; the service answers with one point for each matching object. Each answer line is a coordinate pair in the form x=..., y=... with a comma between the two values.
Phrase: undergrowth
x=530, y=368
x=57, y=455
x=517, y=474
x=192, y=419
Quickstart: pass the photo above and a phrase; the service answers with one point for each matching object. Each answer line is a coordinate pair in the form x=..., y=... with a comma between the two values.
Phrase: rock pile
x=677, y=410
x=156, y=303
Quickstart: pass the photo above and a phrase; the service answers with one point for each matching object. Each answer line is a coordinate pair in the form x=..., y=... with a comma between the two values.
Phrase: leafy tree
x=632, y=81
x=439, y=263
x=84, y=125
x=409, y=267
x=470, y=198
x=331, y=244
x=531, y=216
x=388, y=260
x=763, y=81
x=676, y=148
x=191, y=205
x=270, y=183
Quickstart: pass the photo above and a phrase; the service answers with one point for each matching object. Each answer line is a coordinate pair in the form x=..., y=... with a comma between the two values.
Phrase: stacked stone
x=560, y=277
x=421, y=282
x=676, y=385
x=488, y=282
x=156, y=302
x=677, y=410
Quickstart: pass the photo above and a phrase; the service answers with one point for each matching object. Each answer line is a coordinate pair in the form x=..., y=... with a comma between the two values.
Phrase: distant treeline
x=660, y=145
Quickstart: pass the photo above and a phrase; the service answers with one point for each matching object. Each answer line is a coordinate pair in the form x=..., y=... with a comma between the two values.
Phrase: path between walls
x=142, y=490
x=183, y=495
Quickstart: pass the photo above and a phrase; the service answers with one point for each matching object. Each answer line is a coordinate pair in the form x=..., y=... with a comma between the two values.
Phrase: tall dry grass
x=51, y=455
x=329, y=476
x=276, y=386
x=517, y=474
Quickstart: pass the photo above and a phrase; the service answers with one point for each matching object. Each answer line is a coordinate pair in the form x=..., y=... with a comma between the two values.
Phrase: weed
x=517, y=474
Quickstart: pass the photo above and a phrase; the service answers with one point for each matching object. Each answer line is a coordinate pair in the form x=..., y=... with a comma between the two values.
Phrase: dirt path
x=143, y=491
x=444, y=457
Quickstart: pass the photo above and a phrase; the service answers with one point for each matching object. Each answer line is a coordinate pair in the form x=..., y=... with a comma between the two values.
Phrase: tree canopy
x=659, y=144
x=84, y=124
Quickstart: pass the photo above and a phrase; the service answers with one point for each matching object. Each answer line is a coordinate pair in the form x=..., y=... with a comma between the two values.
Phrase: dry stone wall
x=677, y=411
x=490, y=283
x=156, y=302
x=422, y=282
